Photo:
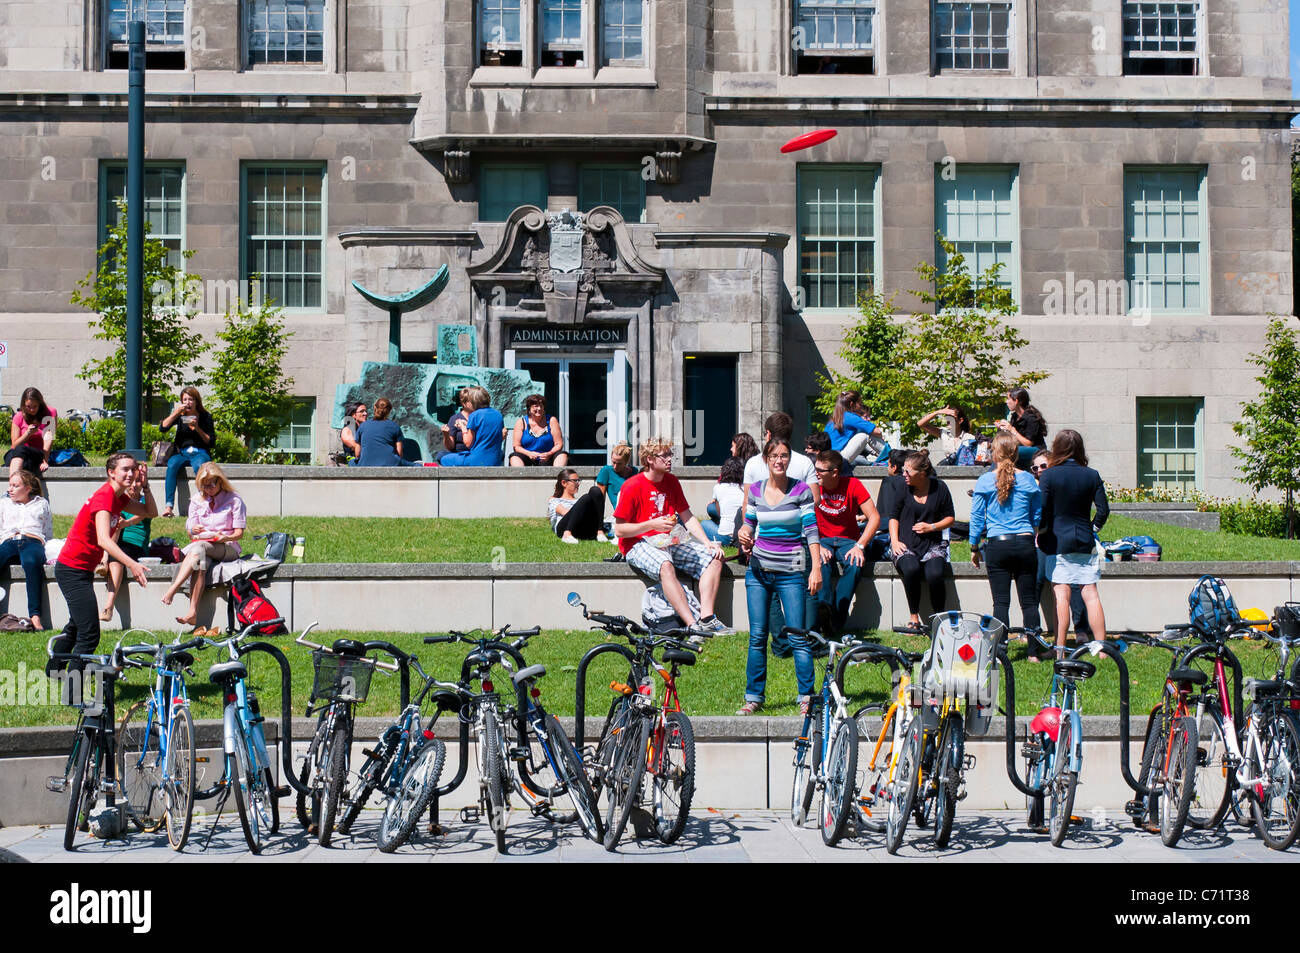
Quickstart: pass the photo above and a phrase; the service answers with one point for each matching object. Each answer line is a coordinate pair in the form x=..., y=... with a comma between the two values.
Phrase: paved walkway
x=744, y=837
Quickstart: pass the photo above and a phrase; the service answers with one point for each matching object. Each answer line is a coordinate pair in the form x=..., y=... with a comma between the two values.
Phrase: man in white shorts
x=650, y=537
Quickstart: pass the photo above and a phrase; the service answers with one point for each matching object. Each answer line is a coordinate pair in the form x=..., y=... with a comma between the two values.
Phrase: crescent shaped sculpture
x=397, y=305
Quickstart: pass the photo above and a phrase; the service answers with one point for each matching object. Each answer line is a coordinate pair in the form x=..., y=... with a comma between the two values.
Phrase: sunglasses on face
x=822, y=472
x=1038, y=469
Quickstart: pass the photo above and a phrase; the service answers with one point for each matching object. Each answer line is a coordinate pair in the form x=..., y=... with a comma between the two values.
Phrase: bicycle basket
x=1287, y=619
x=1211, y=608
x=960, y=665
x=341, y=678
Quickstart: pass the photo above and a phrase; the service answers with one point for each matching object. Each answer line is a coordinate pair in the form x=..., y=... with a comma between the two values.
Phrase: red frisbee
x=809, y=139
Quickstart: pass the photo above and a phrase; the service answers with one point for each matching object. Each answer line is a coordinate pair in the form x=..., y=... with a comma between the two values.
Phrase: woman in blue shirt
x=481, y=433
x=1004, y=513
x=381, y=439
x=851, y=432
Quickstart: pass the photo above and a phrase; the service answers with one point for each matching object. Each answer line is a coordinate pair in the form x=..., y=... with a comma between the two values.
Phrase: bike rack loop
x=580, y=690
x=286, y=710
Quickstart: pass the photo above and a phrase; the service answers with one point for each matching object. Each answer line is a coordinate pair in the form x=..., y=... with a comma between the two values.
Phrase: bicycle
x=156, y=754
x=881, y=763
x=502, y=767
x=956, y=678
x=91, y=768
x=641, y=736
x=1271, y=755
x=246, y=766
x=341, y=679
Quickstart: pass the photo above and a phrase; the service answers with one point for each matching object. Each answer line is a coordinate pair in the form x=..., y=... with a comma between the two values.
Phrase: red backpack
x=247, y=605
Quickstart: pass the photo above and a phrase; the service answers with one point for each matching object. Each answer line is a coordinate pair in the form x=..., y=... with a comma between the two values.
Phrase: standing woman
x=779, y=522
x=31, y=433
x=919, y=516
x=90, y=537
x=215, y=522
x=574, y=517
x=537, y=440
x=1068, y=535
x=1024, y=422
x=25, y=527
x=1004, y=513
x=195, y=434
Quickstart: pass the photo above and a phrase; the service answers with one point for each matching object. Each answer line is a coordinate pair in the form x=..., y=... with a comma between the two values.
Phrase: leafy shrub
x=1252, y=517
x=229, y=449
x=67, y=435
x=103, y=437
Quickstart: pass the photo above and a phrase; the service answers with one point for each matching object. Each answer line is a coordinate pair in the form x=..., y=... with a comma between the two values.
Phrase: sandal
x=749, y=708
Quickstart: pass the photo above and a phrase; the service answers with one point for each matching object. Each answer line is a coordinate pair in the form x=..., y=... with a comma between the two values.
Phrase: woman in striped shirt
x=779, y=521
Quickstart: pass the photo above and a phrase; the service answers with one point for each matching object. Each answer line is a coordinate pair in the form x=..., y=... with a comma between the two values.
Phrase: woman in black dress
x=917, y=519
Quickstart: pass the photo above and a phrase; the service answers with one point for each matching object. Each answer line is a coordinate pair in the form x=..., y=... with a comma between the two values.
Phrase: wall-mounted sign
x=547, y=334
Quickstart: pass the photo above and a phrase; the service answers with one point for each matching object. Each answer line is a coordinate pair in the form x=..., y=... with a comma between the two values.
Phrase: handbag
x=277, y=546
x=161, y=452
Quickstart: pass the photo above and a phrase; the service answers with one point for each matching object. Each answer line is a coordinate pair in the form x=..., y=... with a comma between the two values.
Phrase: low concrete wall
x=1174, y=514
x=428, y=492
x=433, y=597
x=740, y=764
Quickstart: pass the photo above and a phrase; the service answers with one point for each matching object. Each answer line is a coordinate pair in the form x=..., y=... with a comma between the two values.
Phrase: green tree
x=250, y=392
x=1271, y=424
x=963, y=351
x=171, y=350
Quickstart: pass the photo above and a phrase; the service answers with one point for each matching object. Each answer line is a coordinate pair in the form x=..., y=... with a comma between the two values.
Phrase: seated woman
x=215, y=523
x=25, y=527
x=1026, y=423
x=917, y=518
x=381, y=440
x=453, y=431
x=356, y=416
x=856, y=438
x=31, y=433
x=132, y=536
x=574, y=517
x=537, y=441
x=480, y=432
x=729, y=502
x=956, y=440
x=195, y=433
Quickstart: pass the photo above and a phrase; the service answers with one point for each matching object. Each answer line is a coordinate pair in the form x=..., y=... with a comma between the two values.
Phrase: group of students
x=473, y=437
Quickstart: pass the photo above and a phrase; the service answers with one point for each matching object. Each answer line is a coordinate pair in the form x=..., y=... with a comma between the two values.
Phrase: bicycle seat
x=224, y=670
x=532, y=671
x=1190, y=675
x=348, y=647
x=1259, y=688
x=1074, y=668
x=182, y=659
x=679, y=656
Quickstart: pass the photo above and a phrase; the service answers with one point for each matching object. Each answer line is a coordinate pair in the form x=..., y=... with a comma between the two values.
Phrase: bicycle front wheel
x=568, y=768
x=1062, y=784
x=336, y=777
x=1153, y=765
x=138, y=768
x=948, y=762
x=902, y=791
x=1214, y=773
x=403, y=810
x=239, y=769
x=85, y=785
x=674, y=778
x=624, y=778
x=369, y=777
x=1180, y=780
x=178, y=778
x=875, y=756
x=841, y=780
x=308, y=805
x=1276, y=804
x=494, y=777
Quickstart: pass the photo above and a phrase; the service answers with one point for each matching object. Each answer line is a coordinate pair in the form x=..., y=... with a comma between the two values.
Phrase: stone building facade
x=1127, y=162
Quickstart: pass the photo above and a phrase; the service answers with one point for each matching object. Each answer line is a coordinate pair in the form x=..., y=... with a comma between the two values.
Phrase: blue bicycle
x=155, y=751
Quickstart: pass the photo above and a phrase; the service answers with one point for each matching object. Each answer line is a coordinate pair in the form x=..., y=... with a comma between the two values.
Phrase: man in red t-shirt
x=650, y=505
x=90, y=537
x=843, y=499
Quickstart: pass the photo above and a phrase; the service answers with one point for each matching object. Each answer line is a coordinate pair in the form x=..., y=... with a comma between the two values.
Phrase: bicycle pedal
x=370, y=753
x=519, y=754
x=968, y=763
x=282, y=791
x=1076, y=820
x=57, y=785
x=469, y=815
x=202, y=759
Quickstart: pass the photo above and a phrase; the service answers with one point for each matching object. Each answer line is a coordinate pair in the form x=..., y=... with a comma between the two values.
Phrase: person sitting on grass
x=480, y=432
x=25, y=527
x=215, y=523
x=574, y=517
x=646, y=521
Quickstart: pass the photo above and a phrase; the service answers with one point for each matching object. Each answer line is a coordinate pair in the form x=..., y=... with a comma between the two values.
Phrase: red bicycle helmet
x=1047, y=722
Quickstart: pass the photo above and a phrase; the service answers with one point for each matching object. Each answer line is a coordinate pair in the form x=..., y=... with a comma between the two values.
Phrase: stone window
x=503, y=188
x=500, y=30
x=1162, y=38
x=972, y=36
x=976, y=210
x=285, y=32
x=1169, y=442
x=1164, y=234
x=618, y=186
x=837, y=234
x=283, y=228
x=563, y=38
x=164, y=205
x=834, y=36
x=164, y=32
x=296, y=438
x=623, y=38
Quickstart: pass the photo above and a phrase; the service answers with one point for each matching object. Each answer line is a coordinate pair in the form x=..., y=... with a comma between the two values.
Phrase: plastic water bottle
x=299, y=547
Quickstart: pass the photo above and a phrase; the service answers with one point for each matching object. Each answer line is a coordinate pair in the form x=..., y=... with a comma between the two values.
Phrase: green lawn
x=715, y=686
x=352, y=540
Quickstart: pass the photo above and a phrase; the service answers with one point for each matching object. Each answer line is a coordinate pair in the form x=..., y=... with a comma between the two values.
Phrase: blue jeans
x=31, y=556
x=176, y=463
x=792, y=589
x=838, y=597
x=711, y=530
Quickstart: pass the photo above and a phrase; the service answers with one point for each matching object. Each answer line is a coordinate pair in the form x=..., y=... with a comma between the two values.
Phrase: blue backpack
x=1211, y=607
x=68, y=458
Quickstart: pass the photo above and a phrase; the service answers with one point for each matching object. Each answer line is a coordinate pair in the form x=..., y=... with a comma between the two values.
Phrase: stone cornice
x=319, y=106
x=408, y=236
x=1027, y=109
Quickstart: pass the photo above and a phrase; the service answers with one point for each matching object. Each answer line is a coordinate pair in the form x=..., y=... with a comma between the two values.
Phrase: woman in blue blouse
x=852, y=433
x=1004, y=514
x=779, y=522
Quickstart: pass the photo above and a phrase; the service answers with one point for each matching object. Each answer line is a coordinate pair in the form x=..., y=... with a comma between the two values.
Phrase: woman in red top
x=90, y=537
